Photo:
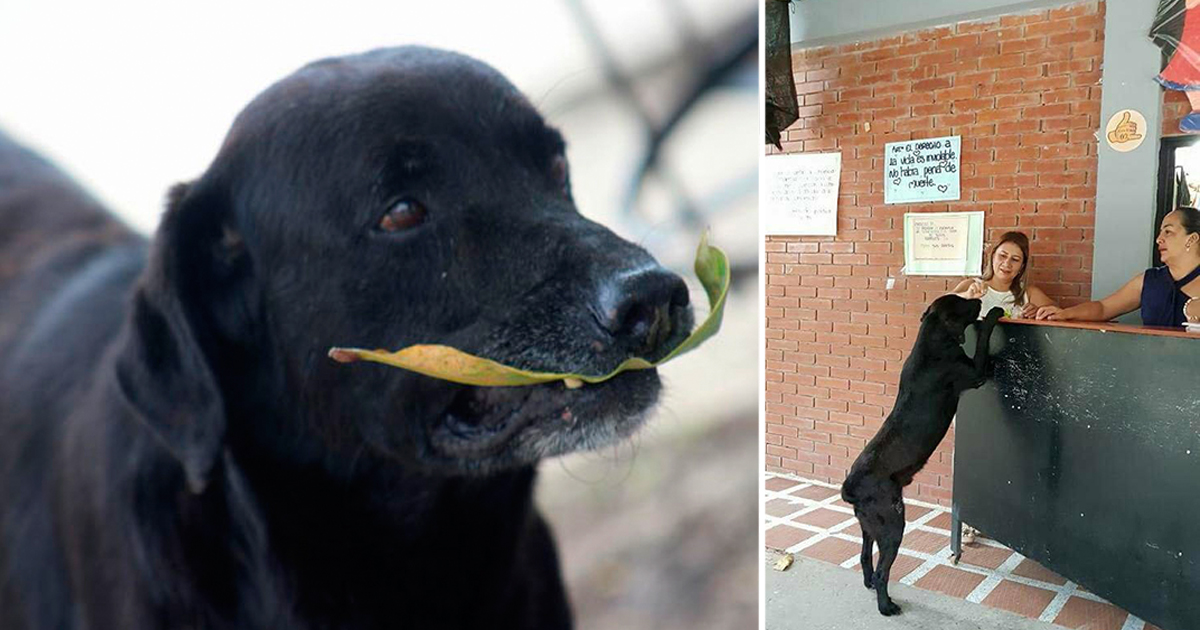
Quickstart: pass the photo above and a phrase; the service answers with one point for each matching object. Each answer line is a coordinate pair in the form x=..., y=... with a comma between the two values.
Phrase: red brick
x=1001, y=88
x=1050, y=27
x=1073, y=37
x=931, y=84
x=999, y=62
x=999, y=115
x=1022, y=45
x=1023, y=73
x=936, y=59
x=974, y=105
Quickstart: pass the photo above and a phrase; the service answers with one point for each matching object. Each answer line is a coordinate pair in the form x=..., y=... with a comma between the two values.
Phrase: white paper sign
x=943, y=243
x=922, y=170
x=801, y=193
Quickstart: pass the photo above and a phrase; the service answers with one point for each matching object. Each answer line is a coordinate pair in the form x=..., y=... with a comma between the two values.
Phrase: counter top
x=1159, y=331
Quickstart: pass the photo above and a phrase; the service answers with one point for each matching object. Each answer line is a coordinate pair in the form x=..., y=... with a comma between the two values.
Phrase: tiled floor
x=808, y=518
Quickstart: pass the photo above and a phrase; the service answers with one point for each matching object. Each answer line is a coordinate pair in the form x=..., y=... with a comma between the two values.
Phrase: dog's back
x=50, y=232
x=63, y=261
x=918, y=422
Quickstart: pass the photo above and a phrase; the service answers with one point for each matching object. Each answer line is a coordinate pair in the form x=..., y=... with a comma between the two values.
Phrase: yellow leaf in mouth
x=452, y=364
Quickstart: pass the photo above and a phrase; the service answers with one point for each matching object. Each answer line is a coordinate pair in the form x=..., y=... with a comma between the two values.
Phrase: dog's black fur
x=177, y=451
x=935, y=374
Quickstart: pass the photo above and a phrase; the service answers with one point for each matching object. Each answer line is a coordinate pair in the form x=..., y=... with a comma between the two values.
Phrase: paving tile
x=842, y=504
x=927, y=542
x=783, y=536
x=1085, y=613
x=776, y=484
x=1034, y=571
x=941, y=521
x=914, y=512
x=822, y=517
x=949, y=580
x=985, y=555
x=832, y=550
x=1028, y=601
x=816, y=493
x=900, y=568
x=854, y=529
x=783, y=507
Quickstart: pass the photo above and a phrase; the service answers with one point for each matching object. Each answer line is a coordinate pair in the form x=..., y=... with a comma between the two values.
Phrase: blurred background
x=658, y=100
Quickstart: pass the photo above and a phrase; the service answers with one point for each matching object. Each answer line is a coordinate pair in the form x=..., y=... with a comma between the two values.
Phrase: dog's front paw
x=888, y=609
x=993, y=315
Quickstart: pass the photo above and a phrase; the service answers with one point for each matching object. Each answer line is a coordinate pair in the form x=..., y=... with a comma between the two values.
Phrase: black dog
x=177, y=451
x=935, y=374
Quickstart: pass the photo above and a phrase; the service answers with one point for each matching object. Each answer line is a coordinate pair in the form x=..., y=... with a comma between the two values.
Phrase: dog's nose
x=641, y=309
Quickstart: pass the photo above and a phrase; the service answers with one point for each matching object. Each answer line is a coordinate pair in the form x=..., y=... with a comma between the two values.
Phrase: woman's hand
x=976, y=290
x=1191, y=310
x=1049, y=312
x=1030, y=311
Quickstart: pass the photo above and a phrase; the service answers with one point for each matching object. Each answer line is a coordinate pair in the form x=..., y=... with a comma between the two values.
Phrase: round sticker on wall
x=1125, y=130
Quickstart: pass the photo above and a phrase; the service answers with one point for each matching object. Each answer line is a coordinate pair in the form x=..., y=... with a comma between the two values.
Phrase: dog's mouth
x=501, y=426
x=487, y=416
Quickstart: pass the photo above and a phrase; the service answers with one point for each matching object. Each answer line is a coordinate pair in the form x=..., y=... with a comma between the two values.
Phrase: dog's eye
x=403, y=215
x=558, y=170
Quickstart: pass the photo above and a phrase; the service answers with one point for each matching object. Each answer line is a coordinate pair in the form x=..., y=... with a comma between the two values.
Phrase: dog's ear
x=164, y=363
x=928, y=311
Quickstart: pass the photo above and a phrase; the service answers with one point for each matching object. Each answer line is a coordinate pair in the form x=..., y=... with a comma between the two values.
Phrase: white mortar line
x=984, y=589
x=993, y=580
x=931, y=562
x=1133, y=623
x=1056, y=605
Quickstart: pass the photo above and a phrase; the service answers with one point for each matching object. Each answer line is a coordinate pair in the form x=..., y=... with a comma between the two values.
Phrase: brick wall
x=1023, y=91
x=1175, y=107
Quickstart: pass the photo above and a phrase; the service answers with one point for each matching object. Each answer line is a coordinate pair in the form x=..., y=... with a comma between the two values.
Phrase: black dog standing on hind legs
x=935, y=374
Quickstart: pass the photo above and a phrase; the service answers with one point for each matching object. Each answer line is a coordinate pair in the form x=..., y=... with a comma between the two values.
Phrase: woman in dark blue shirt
x=1167, y=295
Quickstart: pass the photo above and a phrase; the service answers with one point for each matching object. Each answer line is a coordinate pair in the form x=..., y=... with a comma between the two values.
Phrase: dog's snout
x=643, y=309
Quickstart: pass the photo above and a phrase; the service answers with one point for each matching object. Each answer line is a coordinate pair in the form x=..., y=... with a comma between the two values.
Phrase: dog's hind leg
x=889, y=547
x=865, y=560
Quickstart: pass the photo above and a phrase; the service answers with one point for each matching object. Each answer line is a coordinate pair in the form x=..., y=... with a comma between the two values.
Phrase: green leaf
x=451, y=364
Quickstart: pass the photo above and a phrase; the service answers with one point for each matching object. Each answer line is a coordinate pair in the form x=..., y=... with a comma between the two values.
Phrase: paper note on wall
x=801, y=193
x=922, y=170
x=940, y=238
x=943, y=243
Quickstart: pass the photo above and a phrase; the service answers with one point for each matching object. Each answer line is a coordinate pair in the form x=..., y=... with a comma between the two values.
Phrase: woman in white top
x=1003, y=283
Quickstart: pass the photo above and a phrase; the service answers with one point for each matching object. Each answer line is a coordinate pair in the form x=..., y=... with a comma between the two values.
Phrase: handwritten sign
x=922, y=170
x=943, y=243
x=801, y=193
x=936, y=238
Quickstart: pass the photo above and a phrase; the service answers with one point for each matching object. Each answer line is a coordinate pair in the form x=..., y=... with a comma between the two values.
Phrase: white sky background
x=131, y=97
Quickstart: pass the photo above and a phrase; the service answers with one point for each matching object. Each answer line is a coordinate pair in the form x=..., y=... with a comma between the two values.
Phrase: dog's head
x=397, y=197
x=950, y=315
